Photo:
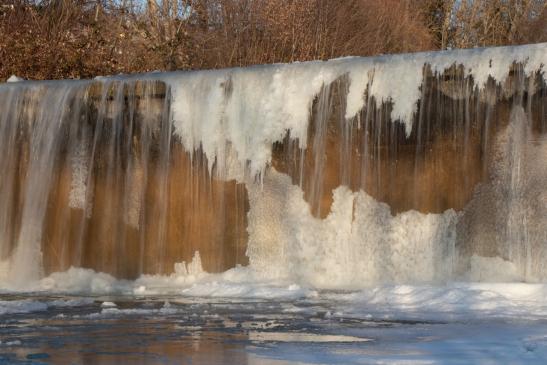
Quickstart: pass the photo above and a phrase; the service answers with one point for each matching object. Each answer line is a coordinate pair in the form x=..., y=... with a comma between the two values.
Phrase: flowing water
x=280, y=182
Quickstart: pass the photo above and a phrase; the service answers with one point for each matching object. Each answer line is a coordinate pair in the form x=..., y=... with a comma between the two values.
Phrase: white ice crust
x=250, y=108
x=14, y=78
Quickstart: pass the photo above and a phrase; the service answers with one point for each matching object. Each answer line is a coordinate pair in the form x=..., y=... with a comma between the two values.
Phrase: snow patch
x=14, y=78
x=453, y=301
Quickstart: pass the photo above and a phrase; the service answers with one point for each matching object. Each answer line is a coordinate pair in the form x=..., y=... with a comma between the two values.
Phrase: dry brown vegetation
x=52, y=39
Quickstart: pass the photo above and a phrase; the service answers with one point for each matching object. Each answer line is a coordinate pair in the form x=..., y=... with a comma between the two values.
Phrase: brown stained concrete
x=205, y=214
x=14, y=177
x=436, y=168
x=430, y=182
x=169, y=210
x=193, y=212
x=146, y=209
x=202, y=214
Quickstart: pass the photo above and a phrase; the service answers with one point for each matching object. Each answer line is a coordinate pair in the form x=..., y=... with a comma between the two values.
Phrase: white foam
x=79, y=280
x=189, y=280
x=492, y=269
x=360, y=243
x=506, y=218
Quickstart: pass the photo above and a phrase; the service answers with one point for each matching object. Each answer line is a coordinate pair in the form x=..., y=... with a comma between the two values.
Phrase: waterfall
x=409, y=168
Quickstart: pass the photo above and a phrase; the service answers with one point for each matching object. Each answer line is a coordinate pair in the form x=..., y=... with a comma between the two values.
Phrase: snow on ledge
x=14, y=78
x=253, y=107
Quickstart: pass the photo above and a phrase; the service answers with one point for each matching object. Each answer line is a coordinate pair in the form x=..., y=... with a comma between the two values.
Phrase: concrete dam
x=413, y=168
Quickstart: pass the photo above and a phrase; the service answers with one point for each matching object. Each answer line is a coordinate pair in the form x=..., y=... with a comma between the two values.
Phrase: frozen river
x=454, y=324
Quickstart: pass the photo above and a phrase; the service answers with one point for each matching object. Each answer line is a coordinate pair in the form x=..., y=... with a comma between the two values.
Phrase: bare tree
x=83, y=38
x=496, y=22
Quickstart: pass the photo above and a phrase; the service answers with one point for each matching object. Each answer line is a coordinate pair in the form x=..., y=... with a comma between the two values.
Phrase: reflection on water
x=167, y=330
x=301, y=337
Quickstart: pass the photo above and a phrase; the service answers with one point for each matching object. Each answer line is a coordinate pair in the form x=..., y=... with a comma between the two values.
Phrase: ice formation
x=254, y=107
x=132, y=175
x=14, y=78
x=359, y=243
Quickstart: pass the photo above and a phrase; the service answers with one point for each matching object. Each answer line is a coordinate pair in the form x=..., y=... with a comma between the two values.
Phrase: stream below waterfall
x=466, y=323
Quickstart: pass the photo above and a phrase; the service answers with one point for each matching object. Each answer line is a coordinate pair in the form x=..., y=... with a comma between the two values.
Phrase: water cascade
x=357, y=171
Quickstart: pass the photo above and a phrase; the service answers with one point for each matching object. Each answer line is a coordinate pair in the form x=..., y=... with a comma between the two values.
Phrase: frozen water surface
x=454, y=324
